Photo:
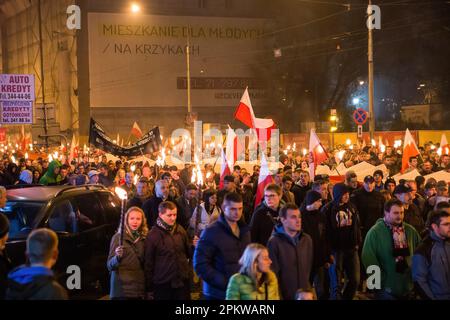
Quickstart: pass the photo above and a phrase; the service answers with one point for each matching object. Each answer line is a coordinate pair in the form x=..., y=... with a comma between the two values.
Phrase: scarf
x=400, y=248
x=160, y=223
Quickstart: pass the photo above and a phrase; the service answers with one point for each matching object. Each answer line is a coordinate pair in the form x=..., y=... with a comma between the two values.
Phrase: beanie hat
x=4, y=225
x=312, y=196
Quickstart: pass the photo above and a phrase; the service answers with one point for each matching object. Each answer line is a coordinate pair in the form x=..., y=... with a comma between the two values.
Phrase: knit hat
x=339, y=190
x=4, y=225
x=312, y=196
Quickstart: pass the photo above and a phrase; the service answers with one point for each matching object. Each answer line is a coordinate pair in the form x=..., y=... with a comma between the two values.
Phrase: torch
x=122, y=194
x=197, y=178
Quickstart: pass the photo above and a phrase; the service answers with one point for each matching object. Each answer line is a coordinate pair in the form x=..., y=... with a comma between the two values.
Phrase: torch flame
x=122, y=194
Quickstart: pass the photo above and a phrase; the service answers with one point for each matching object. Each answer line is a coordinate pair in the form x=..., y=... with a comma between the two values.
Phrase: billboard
x=141, y=60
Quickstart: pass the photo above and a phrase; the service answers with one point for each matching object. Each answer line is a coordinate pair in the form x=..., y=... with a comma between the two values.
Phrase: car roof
x=40, y=193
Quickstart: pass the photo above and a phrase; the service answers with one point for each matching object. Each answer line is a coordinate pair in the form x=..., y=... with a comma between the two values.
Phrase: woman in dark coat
x=126, y=262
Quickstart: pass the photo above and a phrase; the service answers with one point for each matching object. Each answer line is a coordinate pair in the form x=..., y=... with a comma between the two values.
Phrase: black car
x=84, y=218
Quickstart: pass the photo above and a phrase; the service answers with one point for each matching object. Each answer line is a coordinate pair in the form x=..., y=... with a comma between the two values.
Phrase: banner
x=3, y=135
x=16, y=112
x=149, y=143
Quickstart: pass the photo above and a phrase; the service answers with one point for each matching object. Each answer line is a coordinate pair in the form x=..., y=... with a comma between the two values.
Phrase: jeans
x=321, y=281
x=346, y=265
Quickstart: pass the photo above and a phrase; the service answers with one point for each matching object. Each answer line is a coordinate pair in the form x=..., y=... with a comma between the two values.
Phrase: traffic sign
x=360, y=131
x=360, y=116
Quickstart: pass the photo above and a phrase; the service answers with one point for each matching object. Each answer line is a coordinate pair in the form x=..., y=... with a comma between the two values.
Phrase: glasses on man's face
x=270, y=196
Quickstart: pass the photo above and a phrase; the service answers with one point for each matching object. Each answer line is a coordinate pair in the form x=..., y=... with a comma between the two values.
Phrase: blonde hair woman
x=255, y=280
x=126, y=262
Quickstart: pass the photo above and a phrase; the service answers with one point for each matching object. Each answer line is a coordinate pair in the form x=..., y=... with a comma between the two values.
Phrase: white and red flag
x=409, y=150
x=444, y=145
x=265, y=178
x=224, y=169
x=245, y=114
x=317, y=153
x=136, y=131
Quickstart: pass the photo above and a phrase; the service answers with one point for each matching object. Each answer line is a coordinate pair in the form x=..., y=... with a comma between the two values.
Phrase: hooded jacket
x=50, y=178
x=216, y=257
x=34, y=283
x=127, y=273
x=292, y=261
x=343, y=224
x=431, y=268
x=263, y=221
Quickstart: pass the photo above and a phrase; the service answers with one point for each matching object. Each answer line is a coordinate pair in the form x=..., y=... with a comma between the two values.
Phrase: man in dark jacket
x=229, y=186
x=36, y=280
x=220, y=247
x=265, y=216
x=167, y=253
x=314, y=224
x=5, y=264
x=104, y=177
x=301, y=187
x=187, y=204
x=291, y=252
x=431, y=260
x=344, y=237
x=378, y=177
x=369, y=203
x=141, y=195
x=150, y=207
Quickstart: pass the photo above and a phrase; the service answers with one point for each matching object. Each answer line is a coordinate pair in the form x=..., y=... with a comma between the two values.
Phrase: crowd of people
x=309, y=238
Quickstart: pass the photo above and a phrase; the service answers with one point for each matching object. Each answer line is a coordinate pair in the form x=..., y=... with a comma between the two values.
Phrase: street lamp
x=355, y=101
x=135, y=8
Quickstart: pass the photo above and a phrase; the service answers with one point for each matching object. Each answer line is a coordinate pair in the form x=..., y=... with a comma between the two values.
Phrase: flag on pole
x=73, y=149
x=317, y=153
x=25, y=139
x=231, y=152
x=444, y=144
x=136, y=131
x=409, y=150
x=245, y=114
x=265, y=178
x=224, y=170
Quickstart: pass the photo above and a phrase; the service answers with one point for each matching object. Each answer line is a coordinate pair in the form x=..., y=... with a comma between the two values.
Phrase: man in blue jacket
x=220, y=247
x=431, y=260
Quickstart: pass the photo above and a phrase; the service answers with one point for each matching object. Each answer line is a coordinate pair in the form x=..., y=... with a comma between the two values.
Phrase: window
x=63, y=218
x=111, y=206
x=21, y=216
x=88, y=211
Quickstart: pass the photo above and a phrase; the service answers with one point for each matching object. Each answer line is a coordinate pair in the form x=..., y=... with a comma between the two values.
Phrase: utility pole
x=41, y=53
x=370, y=80
x=188, y=71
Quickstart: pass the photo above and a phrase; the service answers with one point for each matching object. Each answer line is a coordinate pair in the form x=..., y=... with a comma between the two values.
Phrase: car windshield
x=21, y=216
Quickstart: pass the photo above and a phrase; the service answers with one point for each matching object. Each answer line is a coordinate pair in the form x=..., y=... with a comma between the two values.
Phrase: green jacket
x=49, y=177
x=377, y=250
x=242, y=287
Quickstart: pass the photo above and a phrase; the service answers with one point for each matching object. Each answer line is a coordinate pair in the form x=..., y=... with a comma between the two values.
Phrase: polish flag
x=224, y=170
x=245, y=114
x=232, y=151
x=136, y=131
x=265, y=178
x=409, y=150
x=444, y=146
x=317, y=153
x=73, y=149
x=25, y=139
